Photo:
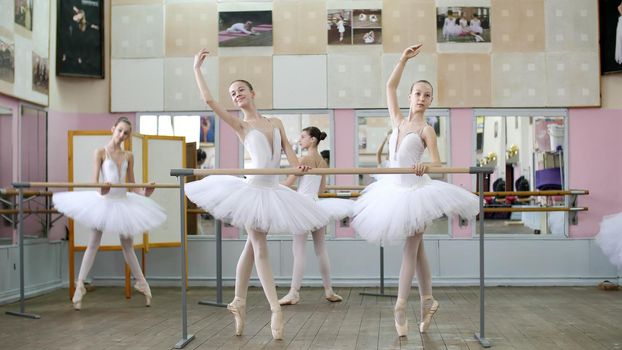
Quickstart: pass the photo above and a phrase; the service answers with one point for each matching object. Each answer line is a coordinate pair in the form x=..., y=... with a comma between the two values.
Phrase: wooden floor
x=516, y=318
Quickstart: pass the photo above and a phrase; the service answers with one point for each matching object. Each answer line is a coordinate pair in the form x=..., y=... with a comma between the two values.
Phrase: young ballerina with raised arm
x=112, y=210
x=259, y=204
x=337, y=209
x=397, y=208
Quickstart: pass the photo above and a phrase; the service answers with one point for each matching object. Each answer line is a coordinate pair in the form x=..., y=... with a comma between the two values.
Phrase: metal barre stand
x=381, y=293
x=218, y=302
x=186, y=338
x=20, y=231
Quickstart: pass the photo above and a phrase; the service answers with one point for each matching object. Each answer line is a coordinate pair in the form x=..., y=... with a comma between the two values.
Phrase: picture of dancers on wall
x=23, y=13
x=367, y=27
x=354, y=27
x=40, y=73
x=610, y=14
x=339, y=27
x=207, y=129
x=80, y=39
x=463, y=24
x=7, y=61
x=245, y=28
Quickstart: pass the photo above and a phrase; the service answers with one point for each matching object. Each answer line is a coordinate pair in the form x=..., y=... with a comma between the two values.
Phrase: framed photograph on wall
x=244, y=28
x=80, y=38
x=463, y=24
x=610, y=36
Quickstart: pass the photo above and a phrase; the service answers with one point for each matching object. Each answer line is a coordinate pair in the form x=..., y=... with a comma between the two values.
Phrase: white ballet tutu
x=336, y=208
x=609, y=238
x=269, y=208
x=126, y=214
x=388, y=212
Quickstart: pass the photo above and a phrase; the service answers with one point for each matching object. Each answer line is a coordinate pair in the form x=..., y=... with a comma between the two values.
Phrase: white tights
x=413, y=260
x=127, y=246
x=256, y=250
x=299, y=252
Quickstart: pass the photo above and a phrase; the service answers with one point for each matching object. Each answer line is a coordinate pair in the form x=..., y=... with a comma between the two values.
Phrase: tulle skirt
x=127, y=214
x=275, y=209
x=609, y=238
x=388, y=212
x=336, y=208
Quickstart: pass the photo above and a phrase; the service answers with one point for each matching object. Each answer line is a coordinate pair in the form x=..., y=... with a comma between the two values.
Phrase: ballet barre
x=20, y=211
x=479, y=171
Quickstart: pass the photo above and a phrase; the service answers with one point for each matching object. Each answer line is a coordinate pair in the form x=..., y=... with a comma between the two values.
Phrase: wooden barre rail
x=13, y=193
x=328, y=171
x=28, y=211
x=486, y=210
x=91, y=185
x=494, y=194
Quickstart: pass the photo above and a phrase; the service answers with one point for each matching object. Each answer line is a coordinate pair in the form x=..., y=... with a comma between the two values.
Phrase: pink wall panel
x=595, y=164
x=462, y=148
x=345, y=121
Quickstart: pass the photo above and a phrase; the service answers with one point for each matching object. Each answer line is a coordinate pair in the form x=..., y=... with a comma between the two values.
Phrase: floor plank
x=516, y=318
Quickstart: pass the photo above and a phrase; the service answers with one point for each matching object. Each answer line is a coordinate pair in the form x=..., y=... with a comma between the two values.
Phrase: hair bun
x=322, y=135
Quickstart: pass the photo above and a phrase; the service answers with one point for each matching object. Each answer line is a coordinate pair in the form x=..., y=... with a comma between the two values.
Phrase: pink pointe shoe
x=276, y=325
x=238, y=309
x=429, y=307
x=78, y=294
x=143, y=288
x=400, y=314
x=292, y=298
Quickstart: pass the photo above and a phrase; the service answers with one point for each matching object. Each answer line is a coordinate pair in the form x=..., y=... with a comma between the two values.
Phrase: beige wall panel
x=464, y=80
x=571, y=25
x=180, y=89
x=190, y=27
x=256, y=70
x=518, y=80
x=355, y=81
x=299, y=81
x=422, y=67
x=137, y=85
x=136, y=2
x=518, y=26
x=409, y=22
x=572, y=79
x=299, y=27
x=137, y=31
x=611, y=87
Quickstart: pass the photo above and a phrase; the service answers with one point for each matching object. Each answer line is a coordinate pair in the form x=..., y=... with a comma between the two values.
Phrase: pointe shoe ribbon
x=238, y=309
x=78, y=294
x=426, y=320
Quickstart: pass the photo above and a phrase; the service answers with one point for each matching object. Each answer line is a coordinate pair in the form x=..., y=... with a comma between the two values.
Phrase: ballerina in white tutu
x=336, y=209
x=112, y=210
x=609, y=238
x=259, y=204
x=397, y=208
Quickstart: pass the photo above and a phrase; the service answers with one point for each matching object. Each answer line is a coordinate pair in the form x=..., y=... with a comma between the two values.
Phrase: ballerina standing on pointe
x=397, y=208
x=259, y=204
